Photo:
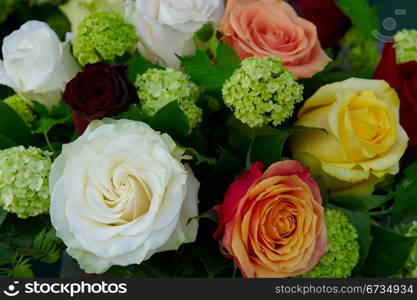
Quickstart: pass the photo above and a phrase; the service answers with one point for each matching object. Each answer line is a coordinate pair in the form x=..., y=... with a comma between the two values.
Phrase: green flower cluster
x=406, y=45
x=261, y=91
x=343, y=252
x=157, y=88
x=409, y=270
x=24, y=181
x=20, y=106
x=103, y=36
x=362, y=52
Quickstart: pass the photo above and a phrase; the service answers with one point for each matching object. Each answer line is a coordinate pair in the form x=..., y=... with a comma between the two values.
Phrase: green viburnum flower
x=77, y=10
x=362, y=52
x=157, y=88
x=409, y=270
x=406, y=45
x=103, y=36
x=343, y=252
x=24, y=181
x=261, y=91
x=21, y=107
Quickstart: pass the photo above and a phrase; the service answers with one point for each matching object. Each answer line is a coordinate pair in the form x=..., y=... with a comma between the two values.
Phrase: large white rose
x=119, y=195
x=36, y=63
x=166, y=27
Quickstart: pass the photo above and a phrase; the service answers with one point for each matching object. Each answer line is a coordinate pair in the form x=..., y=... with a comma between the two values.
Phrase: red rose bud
x=99, y=91
x=403, y=78
x=331, y=23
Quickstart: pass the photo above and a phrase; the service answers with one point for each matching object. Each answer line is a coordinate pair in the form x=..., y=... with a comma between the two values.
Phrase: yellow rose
x=364, y=140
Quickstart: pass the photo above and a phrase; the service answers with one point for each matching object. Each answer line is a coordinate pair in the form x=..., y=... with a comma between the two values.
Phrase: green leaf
x=135, y=113
x=362, y=223
x=226, y=169
x=358, y=203
x=362, y=15
x=210, y=256
x=172, y=120
x=45, y=247
x=206, y=38
x=388, y=253
x=59, y=114
x=240, y=136
x=6, y=143
x=139, y=65
x=199, y=157
x=211, y=75
x=268, y=148
x=5, y=253
x=3, y=215
x=13, y=129
x=406, y=193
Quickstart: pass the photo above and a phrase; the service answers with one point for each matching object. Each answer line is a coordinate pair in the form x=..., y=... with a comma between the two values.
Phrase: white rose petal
x=118, y=195
x=166, y=27
x=36, y=63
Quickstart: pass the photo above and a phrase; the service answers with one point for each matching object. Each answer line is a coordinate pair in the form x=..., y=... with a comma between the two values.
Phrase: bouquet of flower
x=209, y=138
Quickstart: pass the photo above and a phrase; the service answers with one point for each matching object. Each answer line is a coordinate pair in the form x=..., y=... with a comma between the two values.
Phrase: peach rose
x=272, y=224
x=272, y=28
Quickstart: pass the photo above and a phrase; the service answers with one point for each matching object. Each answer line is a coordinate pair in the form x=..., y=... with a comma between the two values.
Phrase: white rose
x=118, y=195
x=36, y=63
x=166, y=27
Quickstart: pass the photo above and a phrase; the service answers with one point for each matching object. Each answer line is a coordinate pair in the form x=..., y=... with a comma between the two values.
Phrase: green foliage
x=388, y=253
x=362, y=15
x=405, y=196
x=409, y=270
x=207, y=73
x=169, y=119
x=213, y=261
x=138, y=65
x=20, y=268
x=55, y=124
x=20, y=106
x=13, y=130
x=45, y=247
x=6, y=7
x=359, y=203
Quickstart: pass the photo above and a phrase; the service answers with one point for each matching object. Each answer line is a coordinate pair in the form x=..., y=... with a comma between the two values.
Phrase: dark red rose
x=330, y=21
x=99, y=91
x=403, y=78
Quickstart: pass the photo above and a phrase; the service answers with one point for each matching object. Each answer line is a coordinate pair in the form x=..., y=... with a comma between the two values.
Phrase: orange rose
x=272, y=28
x=272, y=224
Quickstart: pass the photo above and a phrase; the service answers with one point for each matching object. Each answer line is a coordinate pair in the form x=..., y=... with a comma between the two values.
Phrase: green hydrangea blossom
x=362, y=52
x=157, y=88
x=24, y=181
x=262, y=91
x=406, y=45
x=343, y=252
x=409, y=270
x=21, y=107
x=103, y=36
